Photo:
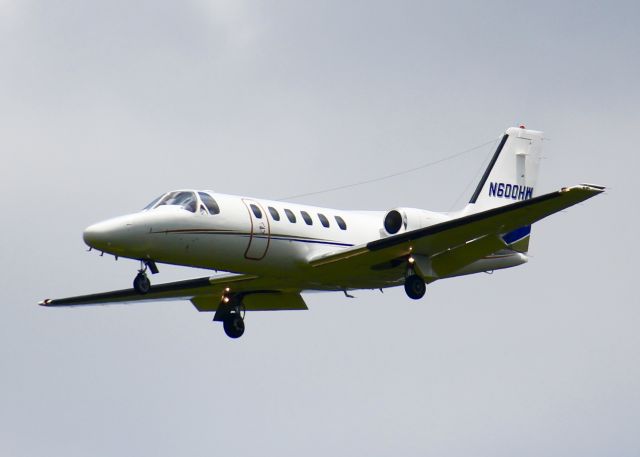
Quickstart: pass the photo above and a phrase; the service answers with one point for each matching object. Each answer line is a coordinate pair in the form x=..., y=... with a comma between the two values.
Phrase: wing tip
x=592, y=188
x=45, y=302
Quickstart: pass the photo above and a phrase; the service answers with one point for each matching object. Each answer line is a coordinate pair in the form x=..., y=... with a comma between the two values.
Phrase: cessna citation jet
x=274, y=250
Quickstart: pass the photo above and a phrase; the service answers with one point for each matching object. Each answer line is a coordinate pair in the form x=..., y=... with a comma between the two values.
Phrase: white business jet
x=274, y=250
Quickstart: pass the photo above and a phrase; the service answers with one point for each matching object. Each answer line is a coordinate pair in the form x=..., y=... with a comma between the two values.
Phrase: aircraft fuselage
x=261, y=237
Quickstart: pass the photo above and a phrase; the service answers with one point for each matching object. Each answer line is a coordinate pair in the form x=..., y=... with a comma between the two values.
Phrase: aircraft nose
x=97, y=235
x=112, y=235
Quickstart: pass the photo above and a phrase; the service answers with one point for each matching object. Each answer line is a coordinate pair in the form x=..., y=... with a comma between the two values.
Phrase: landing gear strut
x=414, y=286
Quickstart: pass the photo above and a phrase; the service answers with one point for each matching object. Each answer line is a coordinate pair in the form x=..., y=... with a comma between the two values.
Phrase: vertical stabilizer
x=512, y=173
x=510, y=177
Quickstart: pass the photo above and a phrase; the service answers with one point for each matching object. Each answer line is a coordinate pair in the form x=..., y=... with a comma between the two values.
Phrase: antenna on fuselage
x=389, y=176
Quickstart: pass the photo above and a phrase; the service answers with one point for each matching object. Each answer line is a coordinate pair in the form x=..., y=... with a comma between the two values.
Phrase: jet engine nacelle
x=402, y=220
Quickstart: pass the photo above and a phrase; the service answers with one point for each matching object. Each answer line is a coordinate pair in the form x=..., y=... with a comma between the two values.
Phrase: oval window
x=306, y=217
x=256, y=211
x=274, y=213
x=323, y=220
x=341, y=223
x=290, y=216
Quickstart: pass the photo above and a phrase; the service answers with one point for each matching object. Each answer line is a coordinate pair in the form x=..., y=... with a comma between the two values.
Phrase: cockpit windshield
x=153, y=203
x=188, y=200
x=184, y=199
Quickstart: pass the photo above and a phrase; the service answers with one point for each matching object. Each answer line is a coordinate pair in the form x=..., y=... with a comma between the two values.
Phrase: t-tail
x=510, y=177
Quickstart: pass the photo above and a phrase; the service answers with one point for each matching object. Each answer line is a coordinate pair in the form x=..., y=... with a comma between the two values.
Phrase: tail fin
x=511, y=176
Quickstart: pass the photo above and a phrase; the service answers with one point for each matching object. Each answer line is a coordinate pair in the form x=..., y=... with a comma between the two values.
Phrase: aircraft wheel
x=141, y=283
x=233, y=325
x=415, y=287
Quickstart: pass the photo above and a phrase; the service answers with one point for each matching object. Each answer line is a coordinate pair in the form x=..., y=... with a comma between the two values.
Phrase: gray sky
x=105, y=105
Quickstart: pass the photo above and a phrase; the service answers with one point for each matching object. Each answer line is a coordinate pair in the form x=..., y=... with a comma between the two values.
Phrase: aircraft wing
x=468, y=235
x=259, y=294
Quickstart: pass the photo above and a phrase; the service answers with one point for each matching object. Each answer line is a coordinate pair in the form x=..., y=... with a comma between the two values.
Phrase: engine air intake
x=393, y=222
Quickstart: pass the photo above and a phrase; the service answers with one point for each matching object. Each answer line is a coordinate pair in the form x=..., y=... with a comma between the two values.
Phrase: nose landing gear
x=141, y=282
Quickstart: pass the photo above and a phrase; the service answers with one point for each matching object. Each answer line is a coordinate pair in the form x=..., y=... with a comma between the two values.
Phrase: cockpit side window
x=209, y=202
x=184, y=199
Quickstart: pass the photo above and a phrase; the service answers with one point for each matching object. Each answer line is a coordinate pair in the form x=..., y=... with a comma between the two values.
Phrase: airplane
x=272, y=251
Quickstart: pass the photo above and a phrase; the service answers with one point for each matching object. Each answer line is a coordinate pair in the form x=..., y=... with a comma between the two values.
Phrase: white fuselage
x=261, y=237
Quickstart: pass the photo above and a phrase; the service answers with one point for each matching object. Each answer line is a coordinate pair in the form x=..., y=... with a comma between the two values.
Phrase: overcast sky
x=105, y=105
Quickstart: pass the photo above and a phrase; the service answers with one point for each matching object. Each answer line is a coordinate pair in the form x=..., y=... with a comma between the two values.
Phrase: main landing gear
x=414, y=286
x=231, y=312
x=233, y=325
x=141, y=282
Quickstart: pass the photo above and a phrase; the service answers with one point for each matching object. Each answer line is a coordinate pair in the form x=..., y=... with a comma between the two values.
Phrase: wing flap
x=257, y=301
x=454, y=259
x=277, y=301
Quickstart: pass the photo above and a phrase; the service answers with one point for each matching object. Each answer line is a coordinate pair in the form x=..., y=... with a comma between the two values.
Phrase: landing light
x=411, y=260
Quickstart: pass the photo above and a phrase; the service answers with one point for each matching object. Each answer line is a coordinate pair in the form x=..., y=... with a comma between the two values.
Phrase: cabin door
x=259, y=231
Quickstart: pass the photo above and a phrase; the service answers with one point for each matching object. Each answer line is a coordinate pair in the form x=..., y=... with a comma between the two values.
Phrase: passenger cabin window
x=184, y=199
x=290, y=216
x=341, y=223
x=306, y=217
x=209, y=202
x=323, y=220
x=274, y=213
x=256, y=211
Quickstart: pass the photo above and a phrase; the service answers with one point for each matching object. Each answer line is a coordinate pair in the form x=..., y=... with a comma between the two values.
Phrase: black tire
x=415, y=287
x=233, y=325
x=141, y=283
